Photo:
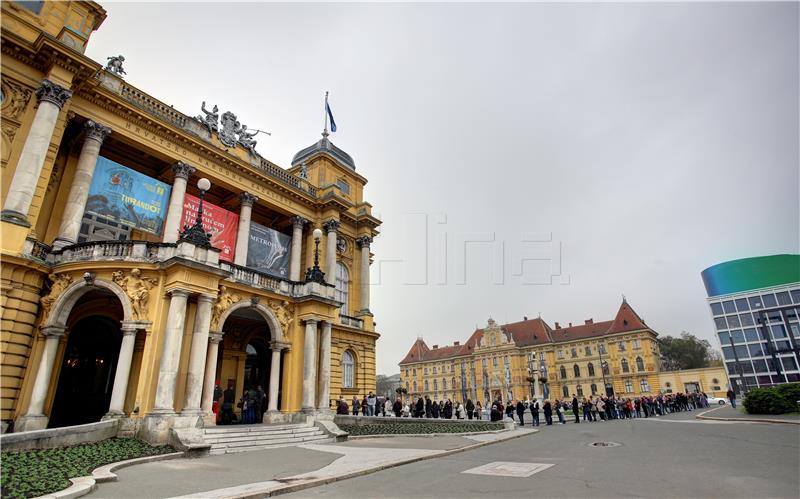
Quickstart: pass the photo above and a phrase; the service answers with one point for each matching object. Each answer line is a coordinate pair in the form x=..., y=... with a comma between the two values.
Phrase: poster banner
x=221, y=223
x=268, y=250
x=128, y=197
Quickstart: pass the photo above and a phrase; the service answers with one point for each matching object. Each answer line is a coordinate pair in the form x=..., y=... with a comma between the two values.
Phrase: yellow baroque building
x=117, y=300
x=529, y=359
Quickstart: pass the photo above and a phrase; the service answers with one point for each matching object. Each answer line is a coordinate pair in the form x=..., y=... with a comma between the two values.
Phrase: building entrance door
x=87, y=372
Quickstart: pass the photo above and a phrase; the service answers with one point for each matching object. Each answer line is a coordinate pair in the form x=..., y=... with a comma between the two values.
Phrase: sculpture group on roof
x=228, y=128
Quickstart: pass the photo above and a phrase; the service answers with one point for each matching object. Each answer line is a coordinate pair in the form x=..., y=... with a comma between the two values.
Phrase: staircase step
x=260, y=438
x=216, y=450
x=251, y=434
x=251, y=428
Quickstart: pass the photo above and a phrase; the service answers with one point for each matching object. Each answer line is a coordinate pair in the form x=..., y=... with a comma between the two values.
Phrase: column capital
x=331, y=226
x=247, y=199
x=182, y=170
x=96, y=131
x=214, y=338
x=48, y=331
x=208, y=298
x=311, y=320
x=298, y=222
x=364, y=241
x=178, y=292
x=55, y=94
x=279, y=345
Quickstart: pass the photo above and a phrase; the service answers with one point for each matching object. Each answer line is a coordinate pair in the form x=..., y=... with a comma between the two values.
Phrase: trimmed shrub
x=33, y=473
x=791, y=392
x=773, y=400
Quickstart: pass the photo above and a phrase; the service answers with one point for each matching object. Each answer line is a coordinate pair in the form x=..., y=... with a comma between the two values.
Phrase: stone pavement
x=726, y=412
x=260, y=473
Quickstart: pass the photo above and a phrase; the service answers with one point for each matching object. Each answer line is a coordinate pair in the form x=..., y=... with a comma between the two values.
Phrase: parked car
x=717, y=400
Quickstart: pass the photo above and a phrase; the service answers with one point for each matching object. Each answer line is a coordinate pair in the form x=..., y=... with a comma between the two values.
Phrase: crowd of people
x=588, y=409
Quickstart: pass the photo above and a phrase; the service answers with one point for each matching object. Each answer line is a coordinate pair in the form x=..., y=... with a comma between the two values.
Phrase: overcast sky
x=619, y=149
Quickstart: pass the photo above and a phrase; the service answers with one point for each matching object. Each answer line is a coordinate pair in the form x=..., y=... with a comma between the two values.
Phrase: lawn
x=33, y=473
x=389, y=428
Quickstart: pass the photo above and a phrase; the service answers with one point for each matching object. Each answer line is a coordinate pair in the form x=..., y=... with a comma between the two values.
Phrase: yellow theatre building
x=526, y=359
x=118, y=299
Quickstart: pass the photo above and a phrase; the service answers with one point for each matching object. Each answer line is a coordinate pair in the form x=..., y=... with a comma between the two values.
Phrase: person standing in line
x=560, y=407
x=387, y=407
x=478, y=410
x=428, y=407
x=521, y=412
x=371, y=401
x=341, y=407
x=261, y=405
x=535, y=411
x=732, y=397
x=435, y=410
x=419, y=410
x=228, y=398
x=470, y=409
x=548, y=412
x=575, y=411
x=356, y=405
x=397, y=407
x=364, y=406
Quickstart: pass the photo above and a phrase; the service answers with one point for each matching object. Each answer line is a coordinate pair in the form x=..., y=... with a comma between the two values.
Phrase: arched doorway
x=245, y=361
x=86, y=375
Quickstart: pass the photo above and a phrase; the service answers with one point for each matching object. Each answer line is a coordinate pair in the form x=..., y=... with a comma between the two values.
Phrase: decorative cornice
x=96, y=131
x=331, y=226
x=55, y=94
x=182, y=170
x=247, y=199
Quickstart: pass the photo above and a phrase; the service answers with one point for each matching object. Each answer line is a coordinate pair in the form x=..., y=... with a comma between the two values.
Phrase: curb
x=83, y=485
x=266, y=492
x=395, y=435
x=702, y=415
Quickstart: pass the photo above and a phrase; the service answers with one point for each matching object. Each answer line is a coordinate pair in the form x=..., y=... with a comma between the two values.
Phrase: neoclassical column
x=170, y=356
x=197, y=357
x=52, y=98
x=364, y=242
x=310, y=366
x=72, y=216
x=172, y=225
x=295, y=266
x=243, y=235
x=211, y=372
x=120, y=390
x=323, y=401
x=34, y=418
x=331, y=226
x=274, y=375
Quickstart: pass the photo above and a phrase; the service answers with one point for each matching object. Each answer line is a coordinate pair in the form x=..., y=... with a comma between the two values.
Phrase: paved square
x=505, y=468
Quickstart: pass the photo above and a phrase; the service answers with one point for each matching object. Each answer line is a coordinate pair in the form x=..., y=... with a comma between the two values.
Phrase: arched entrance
x=86, y=375
x=244, y=362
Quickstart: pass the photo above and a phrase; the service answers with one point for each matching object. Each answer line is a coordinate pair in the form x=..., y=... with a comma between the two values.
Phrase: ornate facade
x=129, y=314
x=529, y=358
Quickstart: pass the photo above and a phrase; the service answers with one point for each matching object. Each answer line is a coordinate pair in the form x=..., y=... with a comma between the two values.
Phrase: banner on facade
x=219, y=222
x=128, y=197
x=268, y=250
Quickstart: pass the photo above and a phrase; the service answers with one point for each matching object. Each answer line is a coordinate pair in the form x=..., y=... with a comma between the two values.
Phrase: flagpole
x=325, y=116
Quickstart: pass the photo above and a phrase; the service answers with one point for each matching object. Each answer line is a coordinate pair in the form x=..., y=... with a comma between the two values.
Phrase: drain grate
x=604, y=444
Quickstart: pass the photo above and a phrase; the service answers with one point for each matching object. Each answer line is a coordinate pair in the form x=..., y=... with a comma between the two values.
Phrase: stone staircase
x=243, y=438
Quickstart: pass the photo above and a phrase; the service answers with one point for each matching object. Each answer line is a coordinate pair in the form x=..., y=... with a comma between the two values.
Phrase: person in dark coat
x=575, y=411
x=261, y=404
x=448, y=409
x=510, y=410
x=428, y=407
x=495, y=415
x=364, y=406
x=397, y=407
x=521, y=412
x=356, y=405
x=420, y=410
x=341, y=407
x=535, y=411
x=470, y=408
x=228, y=398
x=435, y=410
x=548, y=413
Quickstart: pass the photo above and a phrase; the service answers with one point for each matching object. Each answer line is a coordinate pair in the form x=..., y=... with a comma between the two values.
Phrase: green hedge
x=407, y=428
x=33, y=473
x=774, y=400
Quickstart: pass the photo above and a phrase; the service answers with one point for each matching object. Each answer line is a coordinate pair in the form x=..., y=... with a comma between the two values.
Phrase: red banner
x=221, y=223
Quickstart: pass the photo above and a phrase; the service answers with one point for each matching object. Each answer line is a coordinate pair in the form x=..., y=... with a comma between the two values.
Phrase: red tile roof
x=417, y=352
x=581, y=331
x=626, y=320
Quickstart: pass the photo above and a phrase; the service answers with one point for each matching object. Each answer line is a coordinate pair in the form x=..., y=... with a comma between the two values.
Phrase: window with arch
x=434, y=369
x=625, y=367
x=444, y=384
x=573, y=352
x=494, y=361
x=426, y=385
x=415, y=387
x=594, y=389
x=639, y=364
x=588, y=350
x=565, y=391
x=590, y=367
x=415, y=372
x=563, y=372
x=628, y=386
x=342, y=286
x=348, y=369
x=435, y=385
x=577, y=370
x=644, y=385
x=604, y=365
x=579, y=390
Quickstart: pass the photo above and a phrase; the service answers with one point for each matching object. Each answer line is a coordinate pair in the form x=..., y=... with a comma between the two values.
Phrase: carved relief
x=15, y=99
x=138, y=290
x=223, y=303
x=60, y=282
x=284, y=313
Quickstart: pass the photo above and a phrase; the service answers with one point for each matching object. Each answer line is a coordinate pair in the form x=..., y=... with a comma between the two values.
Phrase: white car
x=717, y=401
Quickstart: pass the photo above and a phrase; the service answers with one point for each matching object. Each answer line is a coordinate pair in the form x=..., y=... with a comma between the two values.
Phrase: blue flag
x=330, y=116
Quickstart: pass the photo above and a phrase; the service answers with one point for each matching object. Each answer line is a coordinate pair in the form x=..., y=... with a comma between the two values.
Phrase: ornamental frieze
x=138, y=290
x=15, y=99
x=59, y=282
x=284, y=312
x=224, y=301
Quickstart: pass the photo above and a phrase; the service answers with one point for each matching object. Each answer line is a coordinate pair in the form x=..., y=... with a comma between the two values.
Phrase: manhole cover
x=504, y=468
x=604, y=444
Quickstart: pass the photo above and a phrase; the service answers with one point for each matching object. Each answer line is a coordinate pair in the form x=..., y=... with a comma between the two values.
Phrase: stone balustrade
x=346, y=320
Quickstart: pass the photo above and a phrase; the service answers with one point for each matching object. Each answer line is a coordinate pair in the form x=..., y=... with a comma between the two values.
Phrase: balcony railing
x=346, y=320
x=133, y=251
x=254, y=277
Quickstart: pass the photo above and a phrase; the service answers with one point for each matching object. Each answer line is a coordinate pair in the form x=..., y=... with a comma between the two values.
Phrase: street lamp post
x=603, y=366
x=315, y=274
x=196, y=234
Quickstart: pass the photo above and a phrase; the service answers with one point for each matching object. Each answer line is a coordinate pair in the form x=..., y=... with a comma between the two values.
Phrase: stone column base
x=324, y=415
x=112, y=415
x=31, y=423
x=309, y=410
x=154, y=428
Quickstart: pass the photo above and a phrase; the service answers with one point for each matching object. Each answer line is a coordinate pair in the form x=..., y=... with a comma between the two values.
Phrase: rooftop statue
x=114, y=65
x=211, y=119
